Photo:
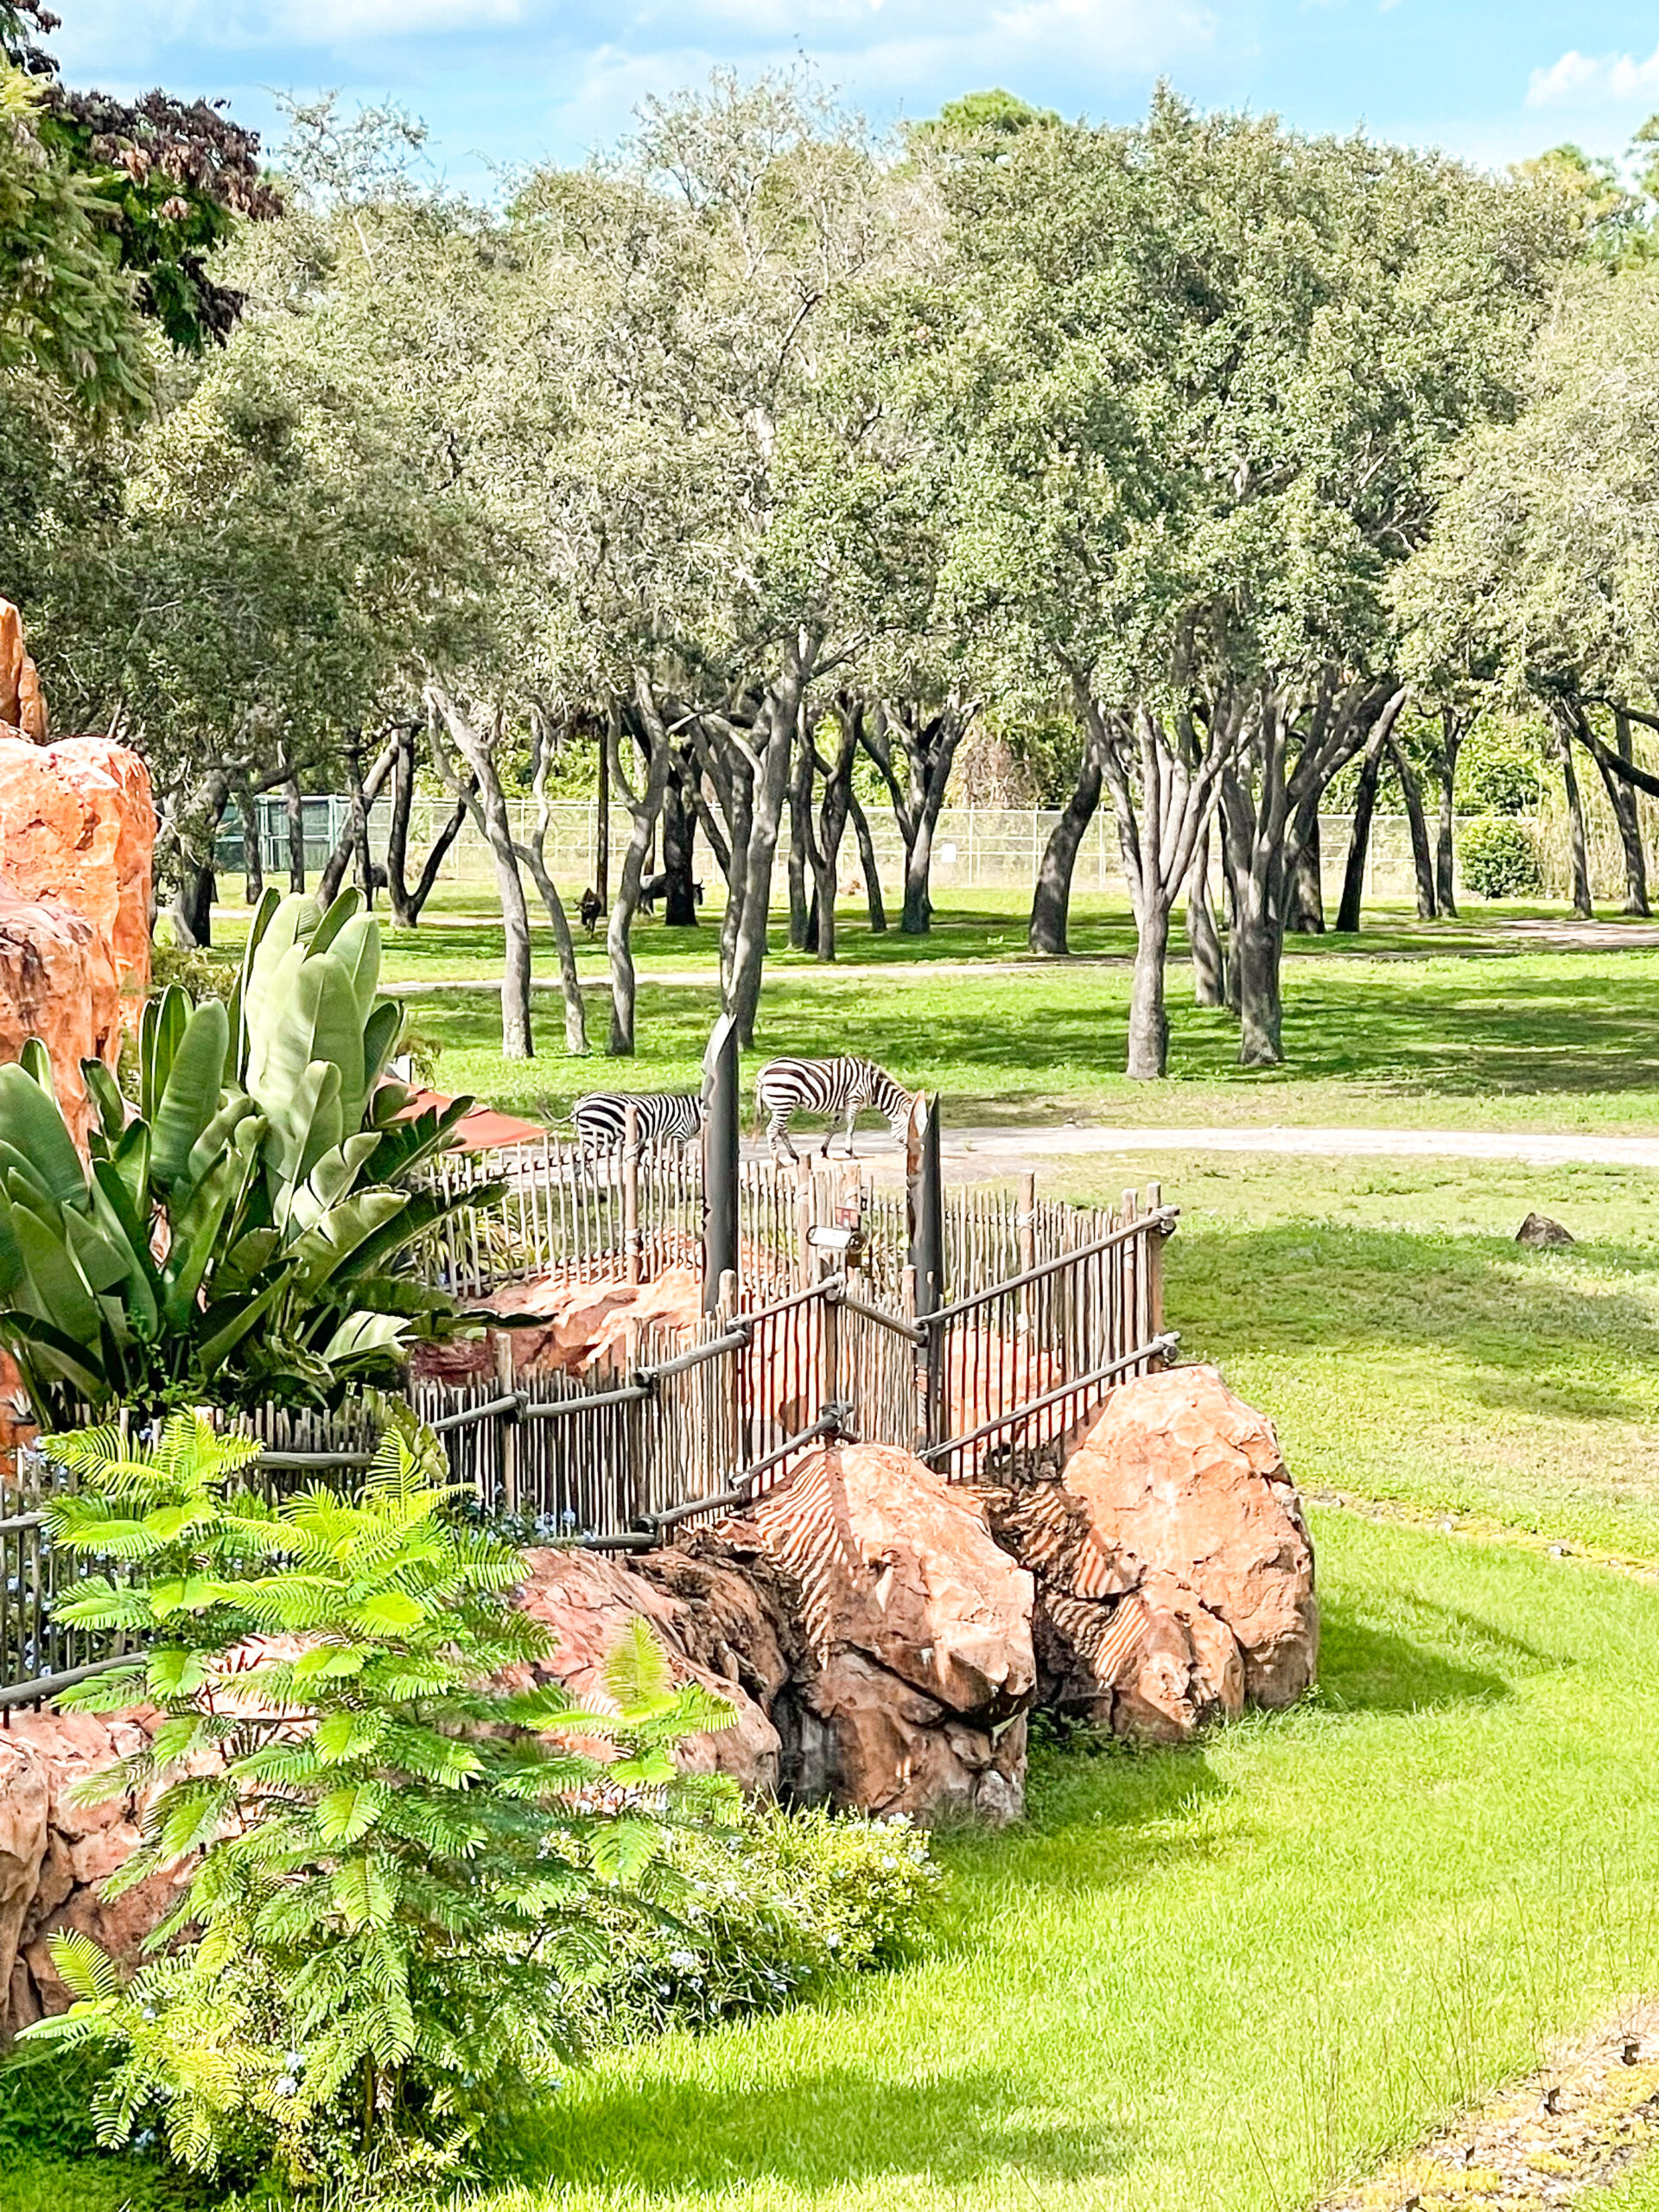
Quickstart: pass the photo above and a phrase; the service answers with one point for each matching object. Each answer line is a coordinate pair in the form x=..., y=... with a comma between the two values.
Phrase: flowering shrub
x=771, y=1906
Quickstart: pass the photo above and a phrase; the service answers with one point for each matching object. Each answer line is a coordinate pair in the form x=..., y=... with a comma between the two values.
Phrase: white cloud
x=1580, y=78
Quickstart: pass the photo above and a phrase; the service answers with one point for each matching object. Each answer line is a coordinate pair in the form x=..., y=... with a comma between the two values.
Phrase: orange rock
x=77, y=826
x=57, y=982
x=1174, y=1573
x=588, y=1600
x=22, y=704
x=918, y=1628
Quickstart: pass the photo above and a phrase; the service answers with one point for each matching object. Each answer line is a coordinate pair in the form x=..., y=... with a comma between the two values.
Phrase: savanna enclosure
x=1089, y=1640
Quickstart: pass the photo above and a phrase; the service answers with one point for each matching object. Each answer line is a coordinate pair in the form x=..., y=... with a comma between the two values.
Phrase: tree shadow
x=1529, y=1339
x=835, y=2128
x=1365, y=1668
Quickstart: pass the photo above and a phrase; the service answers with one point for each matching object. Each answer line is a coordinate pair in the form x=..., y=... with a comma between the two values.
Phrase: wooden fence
x=1050, y=1307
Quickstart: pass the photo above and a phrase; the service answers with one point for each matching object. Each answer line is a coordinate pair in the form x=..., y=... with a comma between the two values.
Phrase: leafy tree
x=402, y=1862
x=1539, y=579
x=163, y=182
x=1205, y=372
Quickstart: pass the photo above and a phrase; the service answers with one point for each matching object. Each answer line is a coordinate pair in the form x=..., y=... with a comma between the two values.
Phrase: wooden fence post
x=630, y=1243
x=1156, y=1268
x=720, y=1154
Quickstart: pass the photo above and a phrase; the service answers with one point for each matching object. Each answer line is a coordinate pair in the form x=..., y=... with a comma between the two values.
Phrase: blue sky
x=507, y=81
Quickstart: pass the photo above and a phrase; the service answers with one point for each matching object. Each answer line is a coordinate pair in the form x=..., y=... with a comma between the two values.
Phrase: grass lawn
x=1409, y=1349
x=1222, y=1977
x=1225, y=1977
x=1536, y=1040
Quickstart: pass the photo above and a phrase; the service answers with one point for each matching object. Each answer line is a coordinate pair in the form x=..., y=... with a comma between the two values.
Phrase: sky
x=501, y=83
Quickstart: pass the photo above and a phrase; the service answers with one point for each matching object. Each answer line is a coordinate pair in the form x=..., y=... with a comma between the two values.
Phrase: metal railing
x=687, y=1423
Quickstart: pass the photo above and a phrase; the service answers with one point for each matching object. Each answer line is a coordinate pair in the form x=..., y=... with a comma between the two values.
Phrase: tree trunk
x=1209, y=961
x=403, y=801
x=644, y=807
x=1627, y=813
x=1583, y=905
x=253, y=853
x=479, y=751
x=360, y=817
x=1422, y=858
x=679, y=844
x=1261, y=1010
x=296, y=802
x=916, y=915
x=193, y=903
x=334, y=868
x=1446, y=850
x=1359, y=841
x=1304, y=892
x=1052, y=899
x=800, y=808
x=873, y=898
x=749, y=958
x=602, y=825
x=1148, y=1013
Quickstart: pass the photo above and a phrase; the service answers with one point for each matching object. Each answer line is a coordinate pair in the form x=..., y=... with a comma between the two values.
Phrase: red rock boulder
x=78, y=828
x=1174, y=1572
x=917, y=1632
x=55, y=1855
x=57, y=982
x=588, y=1600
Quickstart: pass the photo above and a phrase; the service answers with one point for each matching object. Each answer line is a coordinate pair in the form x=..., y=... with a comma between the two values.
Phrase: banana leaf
x=189, y=1100
x=64, y=1294
x=32, y=1123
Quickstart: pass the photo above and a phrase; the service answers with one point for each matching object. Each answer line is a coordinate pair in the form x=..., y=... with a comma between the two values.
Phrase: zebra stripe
x=663, y=1117
x=837, y=1087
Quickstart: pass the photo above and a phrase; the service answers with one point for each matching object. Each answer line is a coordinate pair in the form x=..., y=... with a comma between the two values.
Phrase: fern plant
x=401, y=1862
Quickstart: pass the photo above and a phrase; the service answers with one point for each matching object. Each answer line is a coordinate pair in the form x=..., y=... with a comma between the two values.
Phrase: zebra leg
x=852, y=1117
x=778, y=1133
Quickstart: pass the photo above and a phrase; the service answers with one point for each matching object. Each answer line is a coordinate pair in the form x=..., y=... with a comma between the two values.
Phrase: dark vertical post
x=720, y=1133
x=926, y=1176
x=602, y=825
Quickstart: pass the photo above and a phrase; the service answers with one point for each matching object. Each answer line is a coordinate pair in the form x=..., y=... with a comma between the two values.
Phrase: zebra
x=663, y=1117
x=830, y=1086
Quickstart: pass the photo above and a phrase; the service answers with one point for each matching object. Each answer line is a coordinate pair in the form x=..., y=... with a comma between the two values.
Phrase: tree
x=1539, y=580
x=1205, y=370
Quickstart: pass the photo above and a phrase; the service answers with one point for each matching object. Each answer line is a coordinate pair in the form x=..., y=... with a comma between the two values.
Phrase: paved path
x=992, y=1151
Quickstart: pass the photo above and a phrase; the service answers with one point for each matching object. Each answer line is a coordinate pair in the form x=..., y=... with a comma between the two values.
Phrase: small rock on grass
x=1539, y=1230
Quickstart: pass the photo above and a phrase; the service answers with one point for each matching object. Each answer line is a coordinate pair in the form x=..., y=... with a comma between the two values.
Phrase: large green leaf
x=357, y=950
x=105, y=1094
x=112, y=1211
x=335, y=918
x=65, y=1296
x=212, y=1355
x=365, y=1337
x=331, y=1241
x=160, y=1028
x=130, y=1161
x=30, y=1120
x=190, y=1100
x=305, y=1127
x=34, y=1342
x=381, y=1031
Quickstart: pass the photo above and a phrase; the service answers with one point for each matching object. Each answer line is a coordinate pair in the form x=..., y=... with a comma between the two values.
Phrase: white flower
x=683, y=1961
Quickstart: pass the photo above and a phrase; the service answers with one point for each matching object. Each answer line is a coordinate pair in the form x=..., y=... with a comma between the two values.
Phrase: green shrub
x=1499, y=771
x=404, y=1876
x=244, y=1236
x=1498, y=858
x=772, y=1907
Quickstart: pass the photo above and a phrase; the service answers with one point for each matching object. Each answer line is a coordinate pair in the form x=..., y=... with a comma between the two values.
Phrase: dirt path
x=993, y=1151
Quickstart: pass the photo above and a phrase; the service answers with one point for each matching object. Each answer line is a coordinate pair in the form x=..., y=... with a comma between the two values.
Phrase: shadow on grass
x=1527, y=1339
x=833, y=2128
x=1366, y=1669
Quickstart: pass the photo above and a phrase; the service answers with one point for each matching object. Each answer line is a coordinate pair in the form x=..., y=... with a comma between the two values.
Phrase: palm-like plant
x=241, y=1231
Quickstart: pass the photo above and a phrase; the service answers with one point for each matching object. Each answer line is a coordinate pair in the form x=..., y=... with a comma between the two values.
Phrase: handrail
x=17, y=1522
x=1161, y=1217
x=911, y=1332
x=509, y=1401
x=1158, y=1345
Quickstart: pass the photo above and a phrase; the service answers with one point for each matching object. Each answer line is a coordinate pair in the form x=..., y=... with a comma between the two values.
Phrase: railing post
x=926, y=1176
x=719, y=1147
x=1155, y=1236
x=630, y=1240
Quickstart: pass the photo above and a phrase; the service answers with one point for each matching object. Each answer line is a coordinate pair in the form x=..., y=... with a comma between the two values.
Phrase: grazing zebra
x=664, y=1117
x=830, y=1086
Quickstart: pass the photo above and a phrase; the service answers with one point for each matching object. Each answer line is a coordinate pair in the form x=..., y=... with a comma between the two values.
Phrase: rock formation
x=57, y=982
x=77, y=836
x=55, y=1854
x=1175, y=1573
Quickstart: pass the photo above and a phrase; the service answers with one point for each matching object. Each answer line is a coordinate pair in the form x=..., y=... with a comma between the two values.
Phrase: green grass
x=1220, y=1977
x=1533, y=1041
x=1409, y=1350
x=113, y=2184
x=1638, y=2192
